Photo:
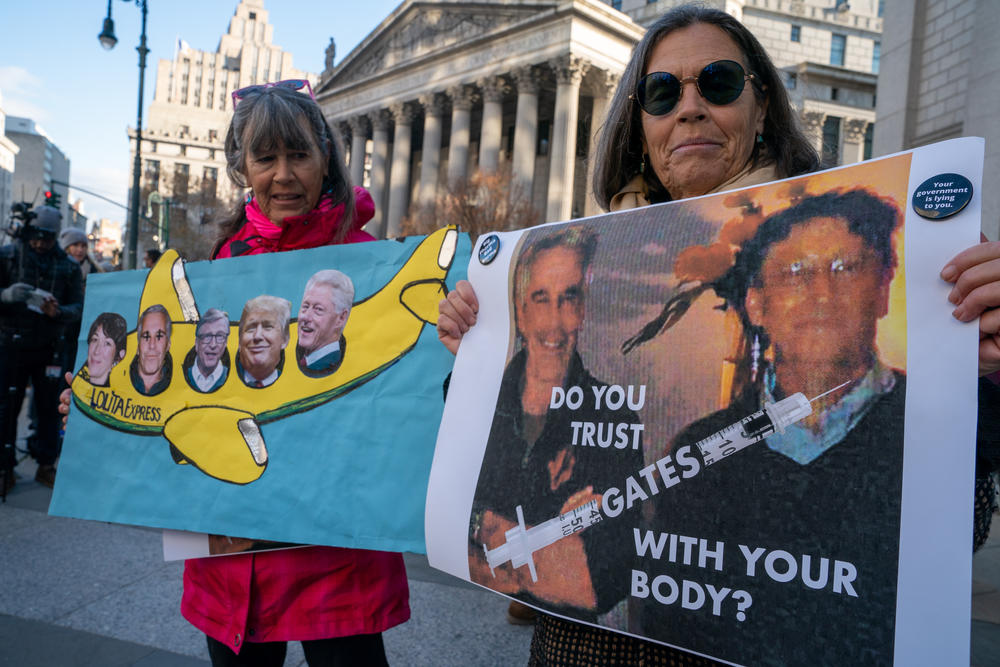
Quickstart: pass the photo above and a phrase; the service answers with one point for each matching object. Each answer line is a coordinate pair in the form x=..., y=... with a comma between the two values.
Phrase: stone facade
x=441, y=89
x=182, y=144
x=940, y=80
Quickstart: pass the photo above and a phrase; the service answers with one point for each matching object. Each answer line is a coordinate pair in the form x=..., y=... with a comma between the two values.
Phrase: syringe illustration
x=522, y=541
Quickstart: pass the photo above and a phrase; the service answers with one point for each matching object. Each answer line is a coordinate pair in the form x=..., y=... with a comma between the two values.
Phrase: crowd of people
x=699, y=109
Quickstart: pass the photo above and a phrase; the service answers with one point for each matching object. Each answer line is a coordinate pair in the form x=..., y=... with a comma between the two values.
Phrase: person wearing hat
x=41, y=292
x=76, y=246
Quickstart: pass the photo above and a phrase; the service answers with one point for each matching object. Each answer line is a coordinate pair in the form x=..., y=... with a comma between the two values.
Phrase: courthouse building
x=442, y=88
x=182, y=143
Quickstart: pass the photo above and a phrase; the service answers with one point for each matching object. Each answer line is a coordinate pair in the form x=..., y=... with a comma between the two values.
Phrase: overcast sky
x=53, y=69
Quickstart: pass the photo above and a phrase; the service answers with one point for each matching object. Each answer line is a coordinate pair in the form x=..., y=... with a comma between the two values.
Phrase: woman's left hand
x=975, y=272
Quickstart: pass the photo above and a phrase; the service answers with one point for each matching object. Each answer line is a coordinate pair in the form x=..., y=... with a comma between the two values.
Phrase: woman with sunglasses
x=337, y=602
x=700, y=109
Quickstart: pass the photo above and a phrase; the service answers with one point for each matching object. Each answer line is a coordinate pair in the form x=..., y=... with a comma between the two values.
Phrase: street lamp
x=108, y=41
x=163, y=225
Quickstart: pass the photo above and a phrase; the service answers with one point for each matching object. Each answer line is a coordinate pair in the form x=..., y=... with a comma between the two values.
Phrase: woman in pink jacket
x=337, y=602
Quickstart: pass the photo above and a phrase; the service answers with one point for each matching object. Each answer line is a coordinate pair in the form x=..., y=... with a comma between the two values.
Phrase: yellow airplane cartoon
x=219, y=432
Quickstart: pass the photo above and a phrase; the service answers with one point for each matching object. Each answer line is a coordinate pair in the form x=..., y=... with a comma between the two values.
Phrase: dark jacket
x=515, y=472
x=843, y=506
x=53, y=272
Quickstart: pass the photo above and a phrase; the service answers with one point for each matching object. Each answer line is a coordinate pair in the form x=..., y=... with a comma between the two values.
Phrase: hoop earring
x=249, y=197
x=760, y=138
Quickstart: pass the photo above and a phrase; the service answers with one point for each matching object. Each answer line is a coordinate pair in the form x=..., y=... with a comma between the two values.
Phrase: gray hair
x=618, y=157
x=339, y=282
x=211, y=315
x=268, y=117
x=156, y=308
x=275, y=305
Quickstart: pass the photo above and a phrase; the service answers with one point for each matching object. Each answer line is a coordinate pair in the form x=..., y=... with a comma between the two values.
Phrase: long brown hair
x=267, y=118
x=618, y=156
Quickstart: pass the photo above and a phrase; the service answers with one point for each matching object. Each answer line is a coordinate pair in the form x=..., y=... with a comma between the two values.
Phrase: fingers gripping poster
x=742, y=424
x=290, y=397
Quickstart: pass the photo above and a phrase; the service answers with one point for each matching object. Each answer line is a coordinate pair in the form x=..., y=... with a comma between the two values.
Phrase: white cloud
x=21, y=91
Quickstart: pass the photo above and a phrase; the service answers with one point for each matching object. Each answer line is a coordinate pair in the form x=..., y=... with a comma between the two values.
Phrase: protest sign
x=741, y=424
x=240, y=397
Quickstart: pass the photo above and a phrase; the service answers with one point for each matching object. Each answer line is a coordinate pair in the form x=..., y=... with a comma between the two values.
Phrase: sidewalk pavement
x=92, y=594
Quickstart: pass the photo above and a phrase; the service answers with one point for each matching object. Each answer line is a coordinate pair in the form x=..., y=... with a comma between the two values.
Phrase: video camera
x=21, y=218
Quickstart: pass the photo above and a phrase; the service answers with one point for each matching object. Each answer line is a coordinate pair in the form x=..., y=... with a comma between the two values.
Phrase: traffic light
x=52, y=198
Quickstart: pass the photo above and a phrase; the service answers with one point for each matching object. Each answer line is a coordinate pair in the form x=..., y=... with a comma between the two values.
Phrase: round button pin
x=942, y=196
x=488, y=249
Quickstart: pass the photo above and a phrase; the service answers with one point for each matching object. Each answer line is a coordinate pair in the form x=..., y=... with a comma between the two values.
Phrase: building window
x=796, y=33
x=616, y=4
x=835, y=93
x=209, y=181
x=881, y=8
x=838, y=46
x=213, y=135
x=876, y=56
x=253, y=16
x=791, y=80
x=544, y=127
x=183, y=149
x=153, y=174
x=181, y=173
x=830, y=155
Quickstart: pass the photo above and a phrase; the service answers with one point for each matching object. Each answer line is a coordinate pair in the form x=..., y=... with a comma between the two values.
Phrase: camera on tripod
x=21, y=217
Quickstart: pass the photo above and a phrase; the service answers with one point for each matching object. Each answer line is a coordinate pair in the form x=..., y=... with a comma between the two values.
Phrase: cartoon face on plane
x=207, y=383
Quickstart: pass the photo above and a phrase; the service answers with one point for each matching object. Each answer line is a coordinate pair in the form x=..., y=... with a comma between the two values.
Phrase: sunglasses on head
x=289, y=84
x=720, y=83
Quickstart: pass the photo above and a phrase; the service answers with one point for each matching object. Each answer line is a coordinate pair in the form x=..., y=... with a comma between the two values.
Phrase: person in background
x=151, y=257
x=699, y=109
x=76, y=246
x=41, y=292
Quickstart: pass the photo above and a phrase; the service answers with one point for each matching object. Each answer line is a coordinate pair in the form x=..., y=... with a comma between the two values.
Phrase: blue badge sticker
x=942, y=196
x=488, y=249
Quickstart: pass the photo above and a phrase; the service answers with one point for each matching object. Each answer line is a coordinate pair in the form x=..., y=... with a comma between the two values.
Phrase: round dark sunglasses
x=720, y=83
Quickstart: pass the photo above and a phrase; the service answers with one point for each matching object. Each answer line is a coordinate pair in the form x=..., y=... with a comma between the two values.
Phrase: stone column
x=569, y=72
x=854, y=141
x=603, y=90
x=434, y=106
x=462, y=98
x=812, y=125
x=492, y=132
x=399, y=173
x=359, y=135
x=380, y=150
x=525, y=126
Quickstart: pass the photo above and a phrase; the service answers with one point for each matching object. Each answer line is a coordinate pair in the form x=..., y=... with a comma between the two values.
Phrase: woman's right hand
x=64, y=399
x=456, y=313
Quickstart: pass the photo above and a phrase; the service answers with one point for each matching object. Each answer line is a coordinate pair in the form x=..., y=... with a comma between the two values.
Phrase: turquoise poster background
x=350, y=472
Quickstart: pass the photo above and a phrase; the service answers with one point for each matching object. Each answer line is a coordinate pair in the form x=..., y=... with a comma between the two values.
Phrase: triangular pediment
x=420, y=29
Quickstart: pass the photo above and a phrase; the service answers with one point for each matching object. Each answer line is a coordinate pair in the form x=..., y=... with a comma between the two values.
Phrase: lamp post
x=163, y=224
x=108, y=41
